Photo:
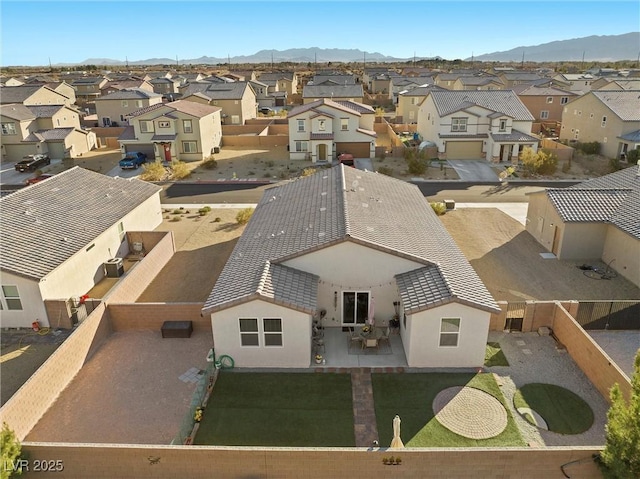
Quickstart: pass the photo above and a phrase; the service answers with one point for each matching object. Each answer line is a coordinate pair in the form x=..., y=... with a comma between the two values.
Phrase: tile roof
x=129, y=133
x=129, y=94
x=344, y=204
x=338, y=79
x=354, y=105
x=191, y=108
x=276, y=76
x=332, y=91
x=613, y=198
x=503, y=101
x=521, y=76
x=217, y=91
x=55, y=134
x=633, y=136
x=479, y=81
x=346, y=106
x=45, y=111
x=18, y=94
x=321, y=136
x=422, y=286
x=541, y=90
x=43, y=225
x=163, y=137
x=16, y=111
x=624, y=103
x=515, y=135
x=421, y=90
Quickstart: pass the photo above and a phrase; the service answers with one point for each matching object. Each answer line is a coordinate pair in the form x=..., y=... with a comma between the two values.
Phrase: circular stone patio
x=470, y=412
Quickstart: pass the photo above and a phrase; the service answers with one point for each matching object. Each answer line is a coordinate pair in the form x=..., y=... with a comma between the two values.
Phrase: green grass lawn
x=279, y=409
x=411, y=396
x=564, y=411
x=494, y=356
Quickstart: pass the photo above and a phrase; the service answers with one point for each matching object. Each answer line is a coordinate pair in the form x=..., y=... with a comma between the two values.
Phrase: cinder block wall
x=150, y=316
x=594, y=362
x=101, y=461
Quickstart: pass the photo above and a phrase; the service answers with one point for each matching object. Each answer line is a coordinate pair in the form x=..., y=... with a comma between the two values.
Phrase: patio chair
x=318, y=346
x=353, y=336
x=385, y=335
x=317, y=333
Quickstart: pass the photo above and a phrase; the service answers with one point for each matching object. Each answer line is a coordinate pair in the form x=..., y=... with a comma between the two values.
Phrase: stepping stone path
x=470, y=412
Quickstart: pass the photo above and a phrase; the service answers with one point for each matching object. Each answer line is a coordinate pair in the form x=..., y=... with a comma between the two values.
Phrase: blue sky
x=73, y=31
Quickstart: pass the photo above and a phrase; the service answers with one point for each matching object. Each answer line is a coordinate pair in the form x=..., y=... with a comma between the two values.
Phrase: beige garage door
x=358, y=150
x=464, y=150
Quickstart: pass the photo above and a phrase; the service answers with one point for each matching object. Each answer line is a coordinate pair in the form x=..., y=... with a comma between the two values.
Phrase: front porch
x=339, y=353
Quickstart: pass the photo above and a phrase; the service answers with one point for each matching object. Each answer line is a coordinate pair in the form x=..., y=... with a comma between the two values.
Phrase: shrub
x=284, y=175
x=154, y=171
x=308, y=172
x=179, y=170
x=244, y=216
x=539, y=163
x=614, y=165
x=417, y=166
x=210, y=163
x=439, y=207
x=251, y=173
x=11, y=449
x=633, y=156
x=409, y=154
x=589, y=148
x=385, y=170
x=566, y=166
x=270, y=163
x=177, y=211
x=204, y=211
x=176, y=218
x=217, y=220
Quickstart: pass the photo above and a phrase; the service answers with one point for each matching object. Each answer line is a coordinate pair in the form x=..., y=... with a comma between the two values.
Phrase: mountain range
x=607, y=48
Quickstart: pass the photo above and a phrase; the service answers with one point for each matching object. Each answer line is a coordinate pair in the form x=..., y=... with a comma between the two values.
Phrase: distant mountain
x=296, y=55
x=606, y=48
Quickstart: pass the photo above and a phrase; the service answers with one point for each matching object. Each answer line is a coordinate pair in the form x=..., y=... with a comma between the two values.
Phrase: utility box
x=449, y=204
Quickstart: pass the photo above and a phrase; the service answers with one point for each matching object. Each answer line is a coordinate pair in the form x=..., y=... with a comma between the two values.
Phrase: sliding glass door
x=355, y=307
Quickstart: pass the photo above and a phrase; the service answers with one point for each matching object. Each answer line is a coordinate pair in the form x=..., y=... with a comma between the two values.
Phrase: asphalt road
x=460, y=192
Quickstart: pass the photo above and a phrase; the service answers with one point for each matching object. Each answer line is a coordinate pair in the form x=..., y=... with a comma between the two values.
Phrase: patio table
x=370, y=338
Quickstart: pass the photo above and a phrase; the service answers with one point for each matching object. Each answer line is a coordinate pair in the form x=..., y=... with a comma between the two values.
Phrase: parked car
x=32, y=163
x=133, y=160
x=37, y=179
x=346, y=159
x=265, y=110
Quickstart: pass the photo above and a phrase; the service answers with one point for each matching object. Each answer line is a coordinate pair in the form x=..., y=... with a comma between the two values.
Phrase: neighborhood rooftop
x=45, y=224
x=345, y=204
x=502, y=101
x=624, y=103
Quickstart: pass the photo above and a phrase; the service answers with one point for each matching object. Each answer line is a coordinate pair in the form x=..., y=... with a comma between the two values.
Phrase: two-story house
x=545, y=104
x=610, y=117
x=164, y=85
x=180, y=130
x=32, y=95
x=321, y=130
x=263, y=96
x=88, y=89
x=471, y=124
x=43, y=129
x=409, y=103
x=128, y=84
x=477, y=83
x=281, y=81
x=577, y=82
x=330, y=90
x=513, y=78
x=114, y=109
x=236, y=99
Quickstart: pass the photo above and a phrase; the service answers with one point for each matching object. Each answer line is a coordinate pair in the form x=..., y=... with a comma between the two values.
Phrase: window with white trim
x=604, y=122
x=449, y=332
x=146, y=126
x=138, y=103
x=344, y=124
x=9, y=128
x=187, y=126
x=549, y=99
x=272, y=331
x=249, y=332
x=503, y=125
x=300, y=125
x=125, y=103
x=164, y=124
x=544, y=114
x=458, y=124
x=11, y=297
x=301, y=146
x=321, y=125
x=189, y=146
x=564, y=100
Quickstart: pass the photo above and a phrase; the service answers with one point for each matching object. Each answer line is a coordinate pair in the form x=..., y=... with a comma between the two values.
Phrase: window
x=321, y=125
x=301, y=146
x=121, y=231
x=236, y=102
x=272, y=331
x=122, y=118
x=604, y=122
x=125, y=103
x=411, y=115
x=604, y=140
x=190, y=147
x=146, y=126
x=503, y=125
x=413, y=101
x=11, y=297
x=355, y=307
x=249, y=332
x=186, y=126
x=8, y=128
x=449, y=332
x=459, y=124
x=544, y=114
x=344, y=124
x=138, y=103
x=164, y=124
x=549, y=99
x=576, y=135
x=564, y=100
x=300, y=125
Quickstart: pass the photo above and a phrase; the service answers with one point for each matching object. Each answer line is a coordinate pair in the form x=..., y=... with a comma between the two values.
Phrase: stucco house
x=595, y=219
x=43, y=129
x=33, y=95
x=577, y=82
x=236, y=99
x=280, y=81
x=116, y=108
x=180, y=130
x=88, y=89
x=610, y=117
x=334, y=242
x=332, y=91
x=321, y=130
x=545, y=103
x=56, y=236
x=477, y=83
x=263, y=97
x=514, y=78
x=409, y=102
x=473, y=124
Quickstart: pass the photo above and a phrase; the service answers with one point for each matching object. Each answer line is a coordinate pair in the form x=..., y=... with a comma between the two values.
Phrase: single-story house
x=57, y=234
x=327, y=246
x=595, y=219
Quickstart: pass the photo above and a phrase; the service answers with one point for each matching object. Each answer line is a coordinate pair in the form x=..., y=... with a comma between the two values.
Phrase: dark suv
x=32, y=163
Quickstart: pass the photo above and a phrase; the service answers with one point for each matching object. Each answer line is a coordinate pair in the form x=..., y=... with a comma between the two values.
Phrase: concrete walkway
x=474, y=170
x=364, y=414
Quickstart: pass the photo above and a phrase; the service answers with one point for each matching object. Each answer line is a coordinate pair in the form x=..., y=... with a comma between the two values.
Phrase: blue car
x=133, y=160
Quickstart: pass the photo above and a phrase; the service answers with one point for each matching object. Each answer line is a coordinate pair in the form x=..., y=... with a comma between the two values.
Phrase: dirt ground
x=507, y=259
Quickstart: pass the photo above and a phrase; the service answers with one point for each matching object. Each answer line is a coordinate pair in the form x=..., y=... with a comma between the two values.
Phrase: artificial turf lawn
x=564, y=411
x=279, y=409
x=494, y=356
x=411, y=397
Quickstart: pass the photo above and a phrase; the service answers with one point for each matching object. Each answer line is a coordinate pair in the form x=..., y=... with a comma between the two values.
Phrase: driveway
x=119, y=172
x=9, y=175
x=474, y=170
x=364, y=164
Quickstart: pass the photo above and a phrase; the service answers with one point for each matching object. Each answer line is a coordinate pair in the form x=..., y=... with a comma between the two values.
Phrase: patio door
x=355, y=307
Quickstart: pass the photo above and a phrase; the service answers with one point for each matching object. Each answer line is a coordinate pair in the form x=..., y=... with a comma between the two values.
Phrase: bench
x=177, y=329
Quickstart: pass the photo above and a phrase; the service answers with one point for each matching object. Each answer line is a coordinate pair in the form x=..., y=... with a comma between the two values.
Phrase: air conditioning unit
x=114, y=268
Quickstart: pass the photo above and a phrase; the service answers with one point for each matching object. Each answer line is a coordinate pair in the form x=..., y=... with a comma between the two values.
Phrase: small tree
x=244, y=216
x=621, y=455
x=541, y=163
x=10, y=447
x=179, y=170
x=154, y=171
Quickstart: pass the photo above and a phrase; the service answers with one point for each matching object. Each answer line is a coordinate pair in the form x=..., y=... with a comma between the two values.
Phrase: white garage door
x=464, y=150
